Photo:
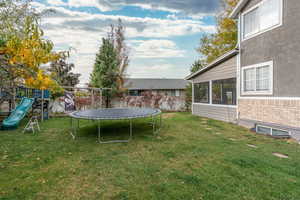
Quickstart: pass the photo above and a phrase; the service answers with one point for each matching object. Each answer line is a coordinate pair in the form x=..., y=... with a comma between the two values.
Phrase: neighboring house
x=166, y=94
x=168, y=87
x=267, y=65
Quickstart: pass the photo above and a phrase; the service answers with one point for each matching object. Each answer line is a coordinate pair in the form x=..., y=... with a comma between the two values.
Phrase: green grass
x=188, y=160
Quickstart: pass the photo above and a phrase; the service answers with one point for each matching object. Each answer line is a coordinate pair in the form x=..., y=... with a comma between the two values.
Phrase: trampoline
x=115, y=114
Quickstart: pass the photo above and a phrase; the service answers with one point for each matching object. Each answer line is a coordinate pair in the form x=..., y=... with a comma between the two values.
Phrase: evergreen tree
x=105, y=73
x=197, y=65
x=61, y=72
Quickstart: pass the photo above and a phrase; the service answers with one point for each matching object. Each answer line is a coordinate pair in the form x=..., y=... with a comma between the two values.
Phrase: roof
x=215, y=63
x=155, y=84
x=238, y=8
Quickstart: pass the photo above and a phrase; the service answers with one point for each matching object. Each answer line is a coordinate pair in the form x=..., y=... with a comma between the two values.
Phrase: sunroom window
x=201, y=92
x=262, y=17
x=224, y=91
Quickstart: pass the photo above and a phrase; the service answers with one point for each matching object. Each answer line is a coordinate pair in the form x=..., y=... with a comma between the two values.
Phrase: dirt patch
x=168, y=115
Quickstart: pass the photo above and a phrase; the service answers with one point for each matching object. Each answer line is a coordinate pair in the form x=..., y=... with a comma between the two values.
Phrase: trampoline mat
x=115, y=113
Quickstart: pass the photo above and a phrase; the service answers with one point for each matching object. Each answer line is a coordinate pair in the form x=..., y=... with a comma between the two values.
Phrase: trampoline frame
x=155, y=128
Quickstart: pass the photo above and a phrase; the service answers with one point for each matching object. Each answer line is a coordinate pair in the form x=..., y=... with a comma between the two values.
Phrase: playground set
x=32, y=102
x=35, y=104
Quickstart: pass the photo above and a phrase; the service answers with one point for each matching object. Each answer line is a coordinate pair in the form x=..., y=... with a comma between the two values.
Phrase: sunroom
x=215, y=89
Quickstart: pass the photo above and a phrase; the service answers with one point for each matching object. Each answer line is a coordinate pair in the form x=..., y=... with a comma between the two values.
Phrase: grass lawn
x=192, y=158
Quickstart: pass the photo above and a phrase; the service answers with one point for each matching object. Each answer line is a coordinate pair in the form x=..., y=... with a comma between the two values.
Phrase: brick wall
x=283, y=112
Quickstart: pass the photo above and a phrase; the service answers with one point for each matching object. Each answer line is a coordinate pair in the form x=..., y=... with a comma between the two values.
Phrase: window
x=177, y=94
x=172, y=93
x=262, y=17
x=134, y=93
x=201, y=92
x=258, y=79
x=224, y=92
x=272, y=131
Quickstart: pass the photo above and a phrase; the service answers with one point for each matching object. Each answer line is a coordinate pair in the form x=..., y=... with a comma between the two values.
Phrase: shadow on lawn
x=117, y=130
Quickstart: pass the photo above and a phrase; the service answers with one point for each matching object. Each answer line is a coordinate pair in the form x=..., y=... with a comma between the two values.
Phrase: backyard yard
x=191, y=158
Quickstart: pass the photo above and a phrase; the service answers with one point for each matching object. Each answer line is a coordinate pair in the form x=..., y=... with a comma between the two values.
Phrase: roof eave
x=237, y=9
x=214, y=63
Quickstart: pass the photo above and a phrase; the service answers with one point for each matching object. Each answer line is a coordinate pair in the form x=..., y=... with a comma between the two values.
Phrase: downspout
x=238, y=72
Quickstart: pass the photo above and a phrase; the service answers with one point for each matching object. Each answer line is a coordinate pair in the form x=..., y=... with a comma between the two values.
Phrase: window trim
x=264, y=30
x=209, y=91
x=271, y=129
x=270, y=91
x=225, y=79
x=210, y=96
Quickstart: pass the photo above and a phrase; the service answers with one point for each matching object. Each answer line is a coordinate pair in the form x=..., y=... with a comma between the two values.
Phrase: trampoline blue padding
x=115, y=113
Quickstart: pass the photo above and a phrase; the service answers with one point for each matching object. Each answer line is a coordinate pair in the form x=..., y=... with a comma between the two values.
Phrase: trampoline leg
x=130, y=137
x=153, y=125
x=73, y=129
x=115, y=141
x=157, y=126
x=99, y=131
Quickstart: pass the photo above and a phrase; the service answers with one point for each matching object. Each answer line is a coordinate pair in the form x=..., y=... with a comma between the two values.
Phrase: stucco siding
x=282, y=45
x=227, y=114
x=224, y=70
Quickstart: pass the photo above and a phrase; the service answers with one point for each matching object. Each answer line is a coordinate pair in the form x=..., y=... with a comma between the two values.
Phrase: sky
x=161, y=35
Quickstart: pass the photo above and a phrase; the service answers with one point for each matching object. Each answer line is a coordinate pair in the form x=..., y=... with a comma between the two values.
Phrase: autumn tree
x=105, y=73
x=117, y=37
x=225, y=39
x=23, y=48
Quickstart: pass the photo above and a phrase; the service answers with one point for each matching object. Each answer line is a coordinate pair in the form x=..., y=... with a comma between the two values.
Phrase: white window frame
x=270, y=91
x=177, y=93
x=251, y=35
x=271, y=129
x=210, y=97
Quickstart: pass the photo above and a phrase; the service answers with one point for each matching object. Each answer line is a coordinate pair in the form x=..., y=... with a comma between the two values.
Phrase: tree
x=117, y=37
x=23, y=48
x=105, y=73
x=61, y=72
x=225, y=39
x=197, y=65
x=23, y=56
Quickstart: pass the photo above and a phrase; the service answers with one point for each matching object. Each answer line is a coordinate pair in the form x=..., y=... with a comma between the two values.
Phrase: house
x=169, y=87
x=166, y=94
x=267, y=68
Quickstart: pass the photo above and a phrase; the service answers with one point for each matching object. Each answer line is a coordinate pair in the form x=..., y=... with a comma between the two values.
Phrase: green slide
x=18, y=114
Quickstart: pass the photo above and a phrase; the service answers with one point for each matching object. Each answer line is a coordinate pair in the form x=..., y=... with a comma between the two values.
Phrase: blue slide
x=18, y=114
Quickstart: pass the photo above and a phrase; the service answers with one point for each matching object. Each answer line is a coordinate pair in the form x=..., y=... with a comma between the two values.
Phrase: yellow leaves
x=41, y=81
x=27, y=53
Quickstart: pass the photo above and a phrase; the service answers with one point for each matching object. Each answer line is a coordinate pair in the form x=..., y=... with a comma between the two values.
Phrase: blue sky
x=161, y=34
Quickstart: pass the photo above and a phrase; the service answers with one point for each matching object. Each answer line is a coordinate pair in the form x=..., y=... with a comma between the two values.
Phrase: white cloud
x=159, y=70
x=186, y=6
x=57, y=2
x=83, y=32
x=156, y=49
x=136, y=26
